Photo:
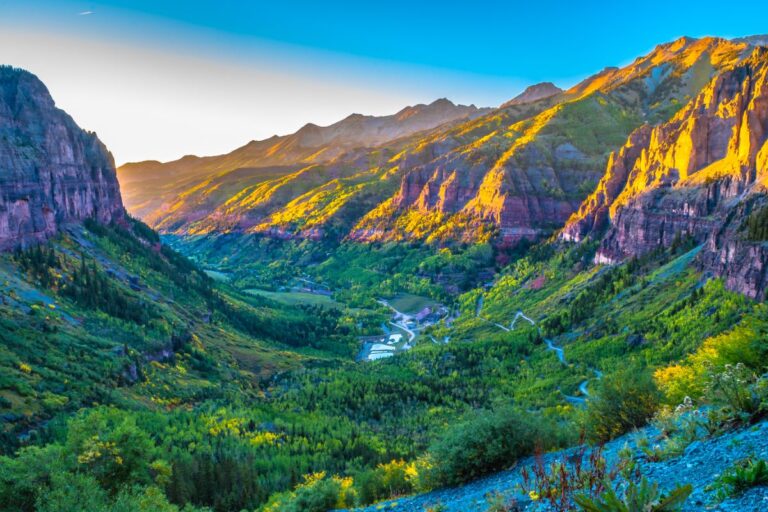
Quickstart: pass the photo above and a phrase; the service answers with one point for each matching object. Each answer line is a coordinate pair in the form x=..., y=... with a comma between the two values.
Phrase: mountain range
x=517, y=171
x=555, y=304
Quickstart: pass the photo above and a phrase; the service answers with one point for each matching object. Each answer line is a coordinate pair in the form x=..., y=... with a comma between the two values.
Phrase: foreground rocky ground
x=700, y=465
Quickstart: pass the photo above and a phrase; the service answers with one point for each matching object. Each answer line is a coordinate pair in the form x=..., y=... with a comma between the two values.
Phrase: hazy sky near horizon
x=161, y=79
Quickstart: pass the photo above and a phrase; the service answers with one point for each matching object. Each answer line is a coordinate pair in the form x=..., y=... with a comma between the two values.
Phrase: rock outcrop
x=592, y=215
x=520, y=171
x=699, y=175
x=51, y=171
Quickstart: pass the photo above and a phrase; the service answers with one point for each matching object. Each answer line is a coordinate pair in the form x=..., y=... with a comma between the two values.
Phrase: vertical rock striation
x=699, y=175
x=51, y=171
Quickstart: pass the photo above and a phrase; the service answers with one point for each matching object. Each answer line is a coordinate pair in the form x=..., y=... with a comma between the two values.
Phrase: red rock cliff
x=51, y=171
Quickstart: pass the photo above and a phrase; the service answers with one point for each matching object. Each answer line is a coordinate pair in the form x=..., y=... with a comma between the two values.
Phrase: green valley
x=557, y=304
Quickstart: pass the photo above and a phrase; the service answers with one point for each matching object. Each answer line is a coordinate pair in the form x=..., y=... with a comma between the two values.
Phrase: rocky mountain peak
x=697, y=176
x=756, y=40
x=51, y=171
x=534, y=93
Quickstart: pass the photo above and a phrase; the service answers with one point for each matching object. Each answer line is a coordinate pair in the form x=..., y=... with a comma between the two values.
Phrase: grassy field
x=296, y=298
x=409, y=303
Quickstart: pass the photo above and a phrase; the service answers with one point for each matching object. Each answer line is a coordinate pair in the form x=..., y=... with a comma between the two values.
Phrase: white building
x=379, y=355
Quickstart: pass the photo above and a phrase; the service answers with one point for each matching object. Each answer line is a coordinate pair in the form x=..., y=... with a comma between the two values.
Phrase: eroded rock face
x=592, y=215
x=698, y=175
x=523, y=175
x=51, y=171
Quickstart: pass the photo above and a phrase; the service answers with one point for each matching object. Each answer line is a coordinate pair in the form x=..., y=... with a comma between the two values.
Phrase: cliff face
x=524, y=170
x=519, y=171
x=51, y=171
x=592, y=215
x=698, y=175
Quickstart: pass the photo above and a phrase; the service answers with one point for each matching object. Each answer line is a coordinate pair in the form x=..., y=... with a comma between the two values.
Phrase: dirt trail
x=560, y=353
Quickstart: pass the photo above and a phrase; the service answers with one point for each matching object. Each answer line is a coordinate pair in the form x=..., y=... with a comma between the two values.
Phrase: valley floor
x=702, y=462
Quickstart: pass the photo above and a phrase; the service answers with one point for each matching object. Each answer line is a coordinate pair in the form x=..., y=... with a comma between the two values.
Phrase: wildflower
x=534, y=495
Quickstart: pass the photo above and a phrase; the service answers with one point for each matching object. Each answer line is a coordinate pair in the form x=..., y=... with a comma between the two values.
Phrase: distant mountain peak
x=534, y=93
x=442, y=101
x=756, y=40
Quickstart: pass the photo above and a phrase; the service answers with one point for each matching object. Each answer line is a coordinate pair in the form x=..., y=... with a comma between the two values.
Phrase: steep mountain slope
x=700, y=175
x=53, y=172
x=152, y=188
x=130, y=378
x=517, y=172
x=89, y=298
x=525, y=176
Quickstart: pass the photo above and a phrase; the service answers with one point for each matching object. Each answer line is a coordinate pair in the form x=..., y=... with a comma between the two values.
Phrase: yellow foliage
x=262, y=438
x=689, y=378
x=24, y=367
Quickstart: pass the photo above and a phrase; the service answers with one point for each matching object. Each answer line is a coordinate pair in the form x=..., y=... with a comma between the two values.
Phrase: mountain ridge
x=310, y=144
x=682, y=177
x=512, y=173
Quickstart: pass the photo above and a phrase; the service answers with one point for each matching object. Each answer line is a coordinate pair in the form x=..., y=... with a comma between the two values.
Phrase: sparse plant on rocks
x=740, y=390
x=740, y=477
x=584, y=471
x=642, y=497
x=678, y=428
x=497, y=502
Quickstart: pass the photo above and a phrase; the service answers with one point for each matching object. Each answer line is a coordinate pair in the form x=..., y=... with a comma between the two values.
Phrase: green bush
x=742, y=393
x=386, y=481
x=492, y=442
x=740, y=477
x=625, y=401
x=645, y=497
x=316, y=494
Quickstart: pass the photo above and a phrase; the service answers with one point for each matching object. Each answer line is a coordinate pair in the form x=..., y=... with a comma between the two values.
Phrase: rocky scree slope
x=701, y=175
x=51, y=171
x=701, y=463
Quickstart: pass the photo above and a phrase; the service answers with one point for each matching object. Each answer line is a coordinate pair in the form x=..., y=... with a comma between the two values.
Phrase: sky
x=159, y=79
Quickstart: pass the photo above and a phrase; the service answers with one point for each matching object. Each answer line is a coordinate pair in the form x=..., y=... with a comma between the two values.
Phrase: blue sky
x=159, y=79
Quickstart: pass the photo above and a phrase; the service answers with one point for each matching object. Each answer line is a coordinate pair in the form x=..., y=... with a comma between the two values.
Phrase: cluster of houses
x=424, y=318
x=386, y=347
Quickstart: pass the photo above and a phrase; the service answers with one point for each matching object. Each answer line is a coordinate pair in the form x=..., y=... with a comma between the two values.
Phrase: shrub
x=557, y=482
x=24, y=476
x=74, y=493
x=737, y=388
x=646, y=497
x=741, y=476
x=316, y=494
x=490, y=443
x=624, y=402
x=107, y=444
x=678, y=428
x=395, y=478
x=744, y=344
